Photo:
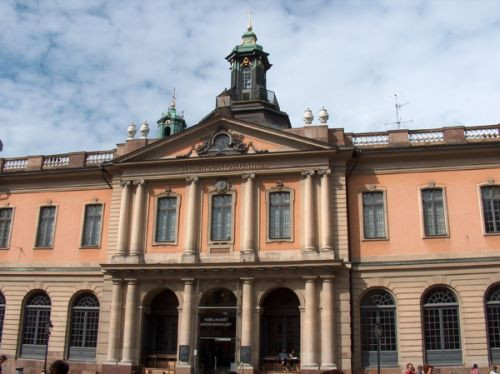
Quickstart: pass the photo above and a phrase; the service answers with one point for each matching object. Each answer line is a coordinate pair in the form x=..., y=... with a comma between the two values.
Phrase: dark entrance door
x=217, y=331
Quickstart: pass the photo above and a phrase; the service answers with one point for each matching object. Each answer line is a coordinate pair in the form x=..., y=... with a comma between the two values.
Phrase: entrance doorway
x=280, y=328
x=160, y=331
x=217, y=331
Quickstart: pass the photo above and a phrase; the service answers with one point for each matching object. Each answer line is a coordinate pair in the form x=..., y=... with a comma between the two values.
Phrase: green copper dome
x=171, y=122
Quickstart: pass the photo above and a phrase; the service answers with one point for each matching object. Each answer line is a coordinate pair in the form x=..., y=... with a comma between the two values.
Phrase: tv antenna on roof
x=398, y=107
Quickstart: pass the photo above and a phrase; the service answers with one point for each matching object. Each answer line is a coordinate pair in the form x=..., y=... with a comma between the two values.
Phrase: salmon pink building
x=243, y=244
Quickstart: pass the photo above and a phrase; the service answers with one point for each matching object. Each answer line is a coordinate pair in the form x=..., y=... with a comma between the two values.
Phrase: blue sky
x=74, y=74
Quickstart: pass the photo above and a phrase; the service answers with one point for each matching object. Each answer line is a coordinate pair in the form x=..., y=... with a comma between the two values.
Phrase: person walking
x=410, y=369
x=3, y=358
x=475, y=369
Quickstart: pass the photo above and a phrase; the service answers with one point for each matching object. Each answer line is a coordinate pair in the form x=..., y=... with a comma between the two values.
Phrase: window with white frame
x=92, y=221
x=166, y=219
x=491, y=208
x=441, y=327
x=221, y=217
x=84, y=327
x=45, y=230
x=373, y=215
x=279, y=215
x=378, y=310
x=246, y=78
x=2, y=314
x=36, y=325
x=433, y=211
x=5, y=226
x=493, y=319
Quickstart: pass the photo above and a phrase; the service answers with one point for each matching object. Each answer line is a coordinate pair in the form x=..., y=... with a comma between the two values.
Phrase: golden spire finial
x=172, y=104
x=249, y=28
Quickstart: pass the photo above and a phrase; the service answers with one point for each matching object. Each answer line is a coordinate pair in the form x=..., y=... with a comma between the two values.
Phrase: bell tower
x=250, y=99
x=171, y=122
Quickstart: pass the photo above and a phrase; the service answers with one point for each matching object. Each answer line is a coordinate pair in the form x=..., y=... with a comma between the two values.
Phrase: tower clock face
x=221, y=141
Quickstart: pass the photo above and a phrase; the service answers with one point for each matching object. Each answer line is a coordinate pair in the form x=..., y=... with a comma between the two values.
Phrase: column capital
x=308, y=172
x=248, y=176
x=326, y=278
x=309, y=278
x=247, y=279
x=131, y=281
x=125, y=183
x=138, y=182
x=188, y=280
x=192, y=179
x=117, y=281
x=324, y=172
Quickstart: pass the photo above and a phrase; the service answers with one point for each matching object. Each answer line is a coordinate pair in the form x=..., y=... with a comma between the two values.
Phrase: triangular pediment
x=223, y=136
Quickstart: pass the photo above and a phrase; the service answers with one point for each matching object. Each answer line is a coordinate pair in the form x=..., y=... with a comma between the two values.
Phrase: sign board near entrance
x=246, y=354
x=216, y=322
x=184, y=353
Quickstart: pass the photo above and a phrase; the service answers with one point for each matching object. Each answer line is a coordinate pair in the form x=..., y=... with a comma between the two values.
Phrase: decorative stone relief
x=223, y=142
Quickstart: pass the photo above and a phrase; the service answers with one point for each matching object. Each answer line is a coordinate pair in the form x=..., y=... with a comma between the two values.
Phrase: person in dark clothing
x=59, y=367
x=3, y=358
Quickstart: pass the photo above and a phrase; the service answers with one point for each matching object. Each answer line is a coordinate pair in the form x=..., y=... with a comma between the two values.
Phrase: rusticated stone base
x=183, y=369
x=119, y=369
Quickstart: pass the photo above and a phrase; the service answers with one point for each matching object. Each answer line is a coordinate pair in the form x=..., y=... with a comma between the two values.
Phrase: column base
x=248, y=256
x=118, y=258
x=134, y=259
x=246, y=369
x=118, y=369
x=328, y=366
x=183, y=369
x=327, y=248
x=309, y=253
x=189, y=258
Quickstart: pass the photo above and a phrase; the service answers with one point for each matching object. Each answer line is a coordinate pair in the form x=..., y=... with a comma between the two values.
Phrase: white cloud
x=73, y=74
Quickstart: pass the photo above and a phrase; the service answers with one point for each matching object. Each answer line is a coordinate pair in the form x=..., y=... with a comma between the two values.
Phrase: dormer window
x=246, y=78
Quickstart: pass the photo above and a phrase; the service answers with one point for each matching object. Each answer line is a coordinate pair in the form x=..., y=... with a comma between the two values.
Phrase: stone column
x=129, y=327
x=138, y=218
x=327, y=324
x=114, y=321
x=248, y=250
x=191, y=220
x=309, y=349
x=121, y=248
x=246, y=322
x=309, y=209
x=326, y=211
x=185, y=330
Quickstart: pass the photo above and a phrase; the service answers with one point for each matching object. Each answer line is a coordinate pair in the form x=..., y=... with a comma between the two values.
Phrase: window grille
x=45, y=232
x=36, y=318
x=433, y=208
x=373, y=215
x=2, y=314
x=442, y=327
x=5, y=224
x=84, y=327
x=166, y=220
x=493, y=319
x=279, y=215
x=491, y=208
x=378, y=308
x=92, y=225
x=221, y=217
x=246, y=79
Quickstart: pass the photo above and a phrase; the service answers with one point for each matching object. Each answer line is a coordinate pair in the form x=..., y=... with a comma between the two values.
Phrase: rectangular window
x=491, y=208
x=5, y=225
x=279, y=215
x=92, y=220
x=45, y=231
x=221, y=217
x=166, y=219
x=433, y=208
x=373, y=215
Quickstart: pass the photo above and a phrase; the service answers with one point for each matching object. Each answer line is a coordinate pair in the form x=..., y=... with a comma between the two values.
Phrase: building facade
x=218, y=246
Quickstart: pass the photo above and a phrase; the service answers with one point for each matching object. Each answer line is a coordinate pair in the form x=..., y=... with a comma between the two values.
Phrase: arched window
x=36, y=325
x=246, y=79
x=378, y=309
x=493, y=317
x=441, y=327
x=2, y=313
x=84, y=326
